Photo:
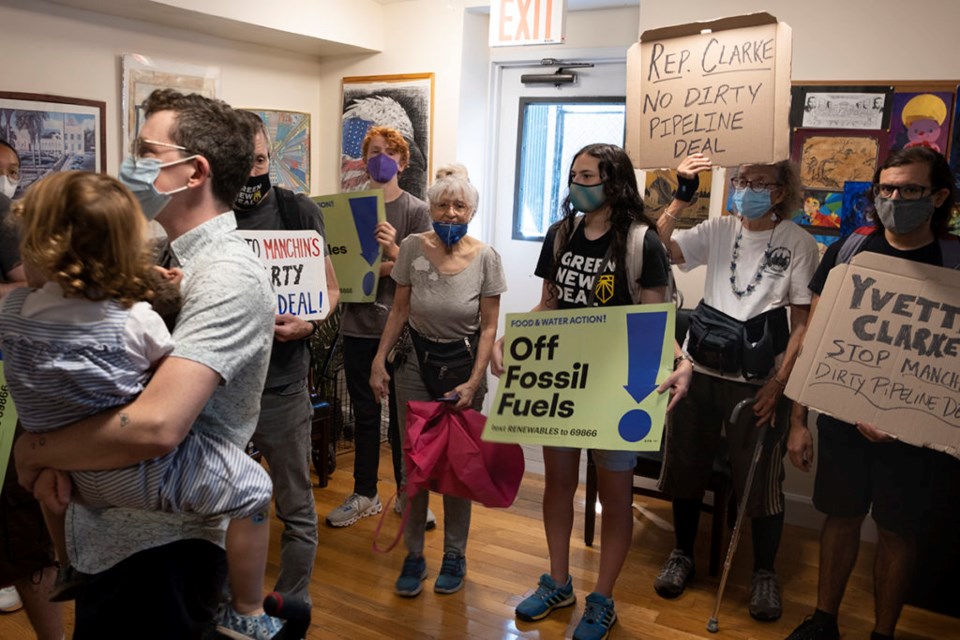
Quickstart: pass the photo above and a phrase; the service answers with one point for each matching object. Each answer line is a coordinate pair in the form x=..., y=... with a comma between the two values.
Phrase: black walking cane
x=745, y=404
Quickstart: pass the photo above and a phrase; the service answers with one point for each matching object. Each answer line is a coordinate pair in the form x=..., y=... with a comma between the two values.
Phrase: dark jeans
x=167, y=592
x=358, y=356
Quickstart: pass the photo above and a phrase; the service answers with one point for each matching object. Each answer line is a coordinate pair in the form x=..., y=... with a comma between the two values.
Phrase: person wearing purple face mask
x=758, y=264
x=386, y=154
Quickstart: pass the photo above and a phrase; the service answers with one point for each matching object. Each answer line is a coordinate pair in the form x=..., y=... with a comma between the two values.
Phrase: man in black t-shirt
x=860, y=466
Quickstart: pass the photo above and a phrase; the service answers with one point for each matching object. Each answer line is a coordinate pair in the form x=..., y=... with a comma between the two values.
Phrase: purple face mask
x=382, y=168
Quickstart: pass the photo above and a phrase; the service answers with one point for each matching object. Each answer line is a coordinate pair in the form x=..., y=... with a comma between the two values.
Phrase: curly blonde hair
x=85, y=231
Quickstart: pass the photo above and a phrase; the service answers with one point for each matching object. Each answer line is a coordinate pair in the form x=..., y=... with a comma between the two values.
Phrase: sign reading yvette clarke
x=8, y=424
x=295, y=263
x=522, y=22
x=350, y=220
x=585, y=378
x=721, y=88
x=884, y=348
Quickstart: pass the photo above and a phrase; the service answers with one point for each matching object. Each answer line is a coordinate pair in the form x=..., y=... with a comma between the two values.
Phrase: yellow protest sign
x=350, y=220
x=585, y=378
x=8, y=424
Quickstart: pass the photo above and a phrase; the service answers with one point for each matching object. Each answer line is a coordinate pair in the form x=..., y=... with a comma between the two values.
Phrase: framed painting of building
x=142, y=74
x=289, y=133
x=403, y=102
x=53, y=133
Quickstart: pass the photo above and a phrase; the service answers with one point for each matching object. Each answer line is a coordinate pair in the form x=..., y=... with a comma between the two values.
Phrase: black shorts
x=25, y=546
x=854, y=474
x=693, y=442
x=166, y=592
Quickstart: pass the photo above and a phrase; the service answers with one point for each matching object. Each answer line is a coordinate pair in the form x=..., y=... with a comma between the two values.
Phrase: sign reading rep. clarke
x=585, y=378
x=720, y=88
x=884, y=348
x=294, y=260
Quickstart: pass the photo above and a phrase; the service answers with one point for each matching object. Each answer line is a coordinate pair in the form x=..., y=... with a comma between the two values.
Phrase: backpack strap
x=853, y=244
x=289, y=211
x=634, y=266
x=950, y=251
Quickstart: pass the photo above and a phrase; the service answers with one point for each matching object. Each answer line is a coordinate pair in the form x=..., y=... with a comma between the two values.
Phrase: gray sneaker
x=765, y=596
x=676, y=572
x=353, y=508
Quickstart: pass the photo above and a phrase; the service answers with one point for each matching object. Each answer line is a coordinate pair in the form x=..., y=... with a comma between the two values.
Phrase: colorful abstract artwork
x=824, y=241
x=289, y=133
x=819, y=209
x=660, y=187
x=921, y=120
x=857, y=206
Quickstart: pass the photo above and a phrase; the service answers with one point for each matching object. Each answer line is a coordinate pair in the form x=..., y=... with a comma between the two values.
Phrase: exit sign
x=522, y=22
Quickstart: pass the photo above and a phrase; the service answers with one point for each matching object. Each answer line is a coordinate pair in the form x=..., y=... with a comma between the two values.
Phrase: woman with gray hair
x=743, y=349
x=448, y=296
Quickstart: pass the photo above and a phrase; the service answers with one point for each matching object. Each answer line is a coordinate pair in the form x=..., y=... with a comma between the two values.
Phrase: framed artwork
x=827, y=158
x=403, y=102
x=857, y=206
x=840, y=107
x=660, y=187
x=53, y=133
x=824, y=241
x=142, y=74
x=819, y=209
x=921, y=119
x=289, y=133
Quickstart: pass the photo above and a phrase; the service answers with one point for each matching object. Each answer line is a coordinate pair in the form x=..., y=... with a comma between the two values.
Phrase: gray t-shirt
x=407, y=214
x=289, y=361
x=443, y=306
x=226, y=324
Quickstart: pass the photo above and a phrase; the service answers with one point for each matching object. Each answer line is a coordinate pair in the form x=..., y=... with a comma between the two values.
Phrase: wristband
x=783, y=385
x=680, y=358
x=316, y=327
x=687, y=188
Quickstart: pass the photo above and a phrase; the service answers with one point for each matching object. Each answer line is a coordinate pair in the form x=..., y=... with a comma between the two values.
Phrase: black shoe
x=815, y=630
x=68, y=584
x=673, y=577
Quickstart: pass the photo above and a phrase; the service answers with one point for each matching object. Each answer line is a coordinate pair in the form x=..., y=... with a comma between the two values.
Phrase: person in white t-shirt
x=758, y=267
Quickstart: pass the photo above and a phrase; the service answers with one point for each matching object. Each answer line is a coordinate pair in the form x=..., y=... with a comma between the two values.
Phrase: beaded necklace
x=758, y=276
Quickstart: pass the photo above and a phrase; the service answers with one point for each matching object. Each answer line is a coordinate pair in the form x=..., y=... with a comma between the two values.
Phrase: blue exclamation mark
x=365, y=220
x=642, y=367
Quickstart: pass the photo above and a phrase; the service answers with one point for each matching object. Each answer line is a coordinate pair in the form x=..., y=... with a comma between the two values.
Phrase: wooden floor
x=353, y=586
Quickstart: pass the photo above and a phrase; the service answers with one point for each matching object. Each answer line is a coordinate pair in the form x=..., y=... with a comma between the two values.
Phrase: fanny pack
x=749, y=348
x=444, y=365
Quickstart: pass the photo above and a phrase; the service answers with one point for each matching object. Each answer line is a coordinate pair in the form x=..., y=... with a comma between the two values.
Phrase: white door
x=606, y=79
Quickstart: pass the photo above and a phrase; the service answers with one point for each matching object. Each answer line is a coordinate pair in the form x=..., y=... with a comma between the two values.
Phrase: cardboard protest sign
x=721, y=88
x=294, y=261
x=350, y=220
x=8, y=424
x=884, y=348
x=585, y=378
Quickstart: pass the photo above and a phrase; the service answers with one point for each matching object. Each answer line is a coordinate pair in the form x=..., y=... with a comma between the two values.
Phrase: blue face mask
x=382, y=168
x=450, y=232
x=751, y=204
x=139, y=174
x=586, y=198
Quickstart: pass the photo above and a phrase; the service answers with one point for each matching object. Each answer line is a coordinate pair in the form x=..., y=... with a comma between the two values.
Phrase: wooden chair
x=649, y=465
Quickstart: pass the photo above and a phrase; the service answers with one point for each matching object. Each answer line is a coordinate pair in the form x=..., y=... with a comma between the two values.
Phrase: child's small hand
x=173, y=275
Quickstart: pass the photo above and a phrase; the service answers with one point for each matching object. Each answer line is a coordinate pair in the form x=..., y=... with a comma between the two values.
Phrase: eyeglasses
x=906, y=191
x=753, y=185
x=139, y=148
x=458, y=206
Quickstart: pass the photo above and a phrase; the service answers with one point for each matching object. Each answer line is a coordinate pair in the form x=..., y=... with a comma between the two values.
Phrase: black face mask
x=253, y=192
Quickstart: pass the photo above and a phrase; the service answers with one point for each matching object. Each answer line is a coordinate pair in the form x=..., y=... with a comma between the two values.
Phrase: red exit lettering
x=522, y=20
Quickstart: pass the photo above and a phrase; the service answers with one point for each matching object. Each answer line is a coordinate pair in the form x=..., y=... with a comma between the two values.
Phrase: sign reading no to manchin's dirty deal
x=585, y=378
x=295, y=264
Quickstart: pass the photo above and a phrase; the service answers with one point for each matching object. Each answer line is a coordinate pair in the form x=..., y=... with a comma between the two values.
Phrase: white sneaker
x=10, y=600
x=431, y=518
x=353, y=508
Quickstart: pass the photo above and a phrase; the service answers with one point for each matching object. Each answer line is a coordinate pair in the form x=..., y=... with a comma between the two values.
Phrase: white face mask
x=8, y=186
x=139, y=174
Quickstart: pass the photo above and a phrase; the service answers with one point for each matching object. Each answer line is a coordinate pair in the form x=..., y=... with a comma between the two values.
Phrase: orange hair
x=86, y=232
x=394, y=140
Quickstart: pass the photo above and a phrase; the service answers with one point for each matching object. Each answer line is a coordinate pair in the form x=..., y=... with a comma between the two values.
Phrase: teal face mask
x=586, y=198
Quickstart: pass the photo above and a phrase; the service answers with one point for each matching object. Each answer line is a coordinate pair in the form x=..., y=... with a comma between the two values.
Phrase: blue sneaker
x=411, y=576
x=597, y=618
x=450, y=579
x=234, y=625
x=545, y=599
